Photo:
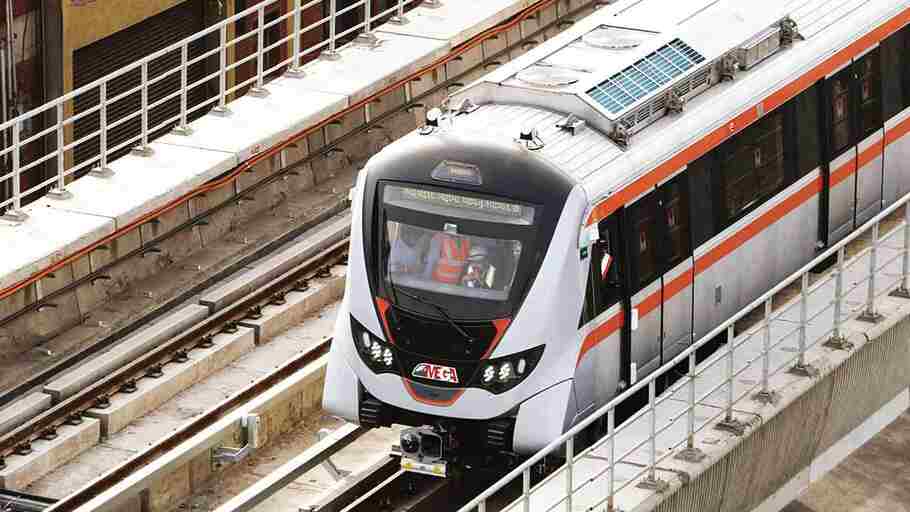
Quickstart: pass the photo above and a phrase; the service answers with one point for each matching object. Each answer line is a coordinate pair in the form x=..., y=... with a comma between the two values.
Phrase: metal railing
x=708, y=391
x=268, y=63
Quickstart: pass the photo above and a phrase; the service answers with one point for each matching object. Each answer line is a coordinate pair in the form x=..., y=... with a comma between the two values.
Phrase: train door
x=676, y=282
x=854, y=136
x=644, y=228
x=605, y=319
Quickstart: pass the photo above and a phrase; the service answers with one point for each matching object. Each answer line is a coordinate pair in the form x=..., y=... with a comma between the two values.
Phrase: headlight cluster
x=375, y=353
x=502, y=374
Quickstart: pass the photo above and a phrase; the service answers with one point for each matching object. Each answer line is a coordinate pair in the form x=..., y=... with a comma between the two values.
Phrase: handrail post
x=730, y=423
x=16, y=215
x=367, y=37
x=651, y=482
x=221, y=110
x=332, y=53
x=295, y=70
x=102, y=170
x=259, y=91
x=611, y=481
x=837, y=340
x=802, y=367
x=765, y=395
x=59, y=192
x=870, y=314
x=143, y=149
x=903, y=291
x=690, y=453
x=399, y=17
x=526, y=489
x=570, y=481
x=183, y=128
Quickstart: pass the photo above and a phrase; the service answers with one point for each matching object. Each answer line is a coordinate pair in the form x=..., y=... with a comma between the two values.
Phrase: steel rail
x=86, y=399
x=187, y=432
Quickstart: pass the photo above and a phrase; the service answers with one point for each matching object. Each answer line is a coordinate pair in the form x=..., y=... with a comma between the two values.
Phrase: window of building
x=752, y=166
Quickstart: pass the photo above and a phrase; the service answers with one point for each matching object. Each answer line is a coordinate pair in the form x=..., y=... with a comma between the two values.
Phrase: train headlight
x=387, y=358
x=488, y=374
x=378, y=355
x=504, y=373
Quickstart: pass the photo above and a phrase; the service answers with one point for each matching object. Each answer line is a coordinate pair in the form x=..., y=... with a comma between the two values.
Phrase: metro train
x=579, y=216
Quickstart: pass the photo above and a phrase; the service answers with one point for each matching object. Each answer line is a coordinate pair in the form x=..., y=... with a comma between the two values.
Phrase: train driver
x=447, y=258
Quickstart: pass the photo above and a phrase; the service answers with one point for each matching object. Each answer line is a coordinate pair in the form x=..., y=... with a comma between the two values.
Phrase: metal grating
x=645, y=76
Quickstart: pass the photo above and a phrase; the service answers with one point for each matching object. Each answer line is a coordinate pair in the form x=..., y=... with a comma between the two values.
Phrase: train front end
x=462, y=281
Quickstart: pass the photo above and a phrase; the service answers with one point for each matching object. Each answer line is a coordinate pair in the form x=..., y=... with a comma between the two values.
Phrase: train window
x=644, y=228
x=870, y=93
x=840, y=129
x=895, y=73
x=808, y=140
x=604, y=288
x=702, y=194
x=675, y=208
x=752, y=166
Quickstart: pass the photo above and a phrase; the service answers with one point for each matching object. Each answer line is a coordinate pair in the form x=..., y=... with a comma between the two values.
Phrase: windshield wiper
x=439, y=308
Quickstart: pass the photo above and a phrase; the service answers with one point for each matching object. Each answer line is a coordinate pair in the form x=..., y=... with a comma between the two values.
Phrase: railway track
x=151, y=364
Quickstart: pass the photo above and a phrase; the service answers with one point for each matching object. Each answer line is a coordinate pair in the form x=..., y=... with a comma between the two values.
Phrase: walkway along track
x=71, y=409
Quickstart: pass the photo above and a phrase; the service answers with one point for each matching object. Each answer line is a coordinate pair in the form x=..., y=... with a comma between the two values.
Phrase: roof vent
x=763, y=45
x=540, y=76
x=613, y=39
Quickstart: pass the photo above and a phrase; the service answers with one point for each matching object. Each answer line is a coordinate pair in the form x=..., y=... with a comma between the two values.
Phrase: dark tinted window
x=675, y=209
x=752, y=166
x=840, y=115
x=701, y=193
x=604, y=291
x=808, y=126
x=870, y=93
x=644, y=229
x=895, y=66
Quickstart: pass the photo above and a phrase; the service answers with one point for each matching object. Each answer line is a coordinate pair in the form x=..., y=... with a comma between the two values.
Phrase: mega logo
x=436, y=372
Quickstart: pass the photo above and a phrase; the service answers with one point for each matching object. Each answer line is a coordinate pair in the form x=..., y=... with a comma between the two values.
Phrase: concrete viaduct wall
x=817, y=423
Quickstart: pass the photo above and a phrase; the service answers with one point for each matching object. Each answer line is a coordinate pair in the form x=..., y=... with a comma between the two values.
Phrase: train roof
x=608, y=80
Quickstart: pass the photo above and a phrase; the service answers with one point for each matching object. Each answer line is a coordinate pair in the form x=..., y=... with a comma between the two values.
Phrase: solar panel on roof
x=645, y=76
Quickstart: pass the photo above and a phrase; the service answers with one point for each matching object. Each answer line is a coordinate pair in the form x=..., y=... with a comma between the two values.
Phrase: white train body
x=655, y=188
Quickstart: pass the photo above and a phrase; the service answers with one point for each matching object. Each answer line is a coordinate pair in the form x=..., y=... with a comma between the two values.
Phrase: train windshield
x=455, y=245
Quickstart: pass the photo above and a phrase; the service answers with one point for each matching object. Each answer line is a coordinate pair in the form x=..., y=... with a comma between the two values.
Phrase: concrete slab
x=80, y=471
x=277, y=264
x=455, y=22
x=256, y=124
x=277, y=319
x=153, y=392
x=140, y=184
x=48, y=236
x=47, y=455
x=20, y=411
x=362, y=71
x=138, y=343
